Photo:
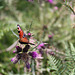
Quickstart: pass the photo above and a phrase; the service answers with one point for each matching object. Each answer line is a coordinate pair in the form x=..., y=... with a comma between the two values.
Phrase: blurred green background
x=47, y=18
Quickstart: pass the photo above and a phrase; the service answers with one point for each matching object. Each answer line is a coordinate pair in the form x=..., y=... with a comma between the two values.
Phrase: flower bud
x=34, y=54
x=29, y=34
x=25, y=49
x=27, y=65
x=18, y=49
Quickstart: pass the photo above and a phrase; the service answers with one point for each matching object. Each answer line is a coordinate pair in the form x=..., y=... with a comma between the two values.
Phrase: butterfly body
x=23, y=38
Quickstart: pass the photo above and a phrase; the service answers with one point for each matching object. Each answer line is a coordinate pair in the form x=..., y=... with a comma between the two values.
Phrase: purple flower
x=12, y=59
x=55, y=8
x=50, y=36
x=27, y=65
x=18, y=49
x=21, y=54
x=16, y=58
x=29, y=34
x=14, y=51
x=42, y=45
x=33, y=54
x=50, y=1
x=39, y=47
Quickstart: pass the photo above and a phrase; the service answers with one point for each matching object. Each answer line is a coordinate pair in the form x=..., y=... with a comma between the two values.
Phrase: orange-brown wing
x=24, y=40
x=20, y=31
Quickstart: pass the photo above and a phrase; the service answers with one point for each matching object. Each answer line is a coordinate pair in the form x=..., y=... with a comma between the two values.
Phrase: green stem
x=33, y=71
x=70, y=8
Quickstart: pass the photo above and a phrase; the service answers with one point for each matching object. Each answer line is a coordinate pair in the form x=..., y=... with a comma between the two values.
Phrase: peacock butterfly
x=23, y=37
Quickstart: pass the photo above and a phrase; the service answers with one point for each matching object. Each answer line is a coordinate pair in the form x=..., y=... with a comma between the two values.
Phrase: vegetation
x=50, y=23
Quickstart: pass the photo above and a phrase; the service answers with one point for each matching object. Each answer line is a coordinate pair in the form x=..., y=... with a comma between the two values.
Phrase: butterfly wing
x=24, y=40
x=20, y=31
x=22, y=36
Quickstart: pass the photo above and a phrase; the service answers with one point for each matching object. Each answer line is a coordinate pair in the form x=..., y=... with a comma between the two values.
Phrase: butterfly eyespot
x=17, y=28
x=18, y=31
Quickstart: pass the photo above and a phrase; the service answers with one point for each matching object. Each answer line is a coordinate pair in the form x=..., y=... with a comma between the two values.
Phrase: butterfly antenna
x=30, y=26
x=14, y=33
